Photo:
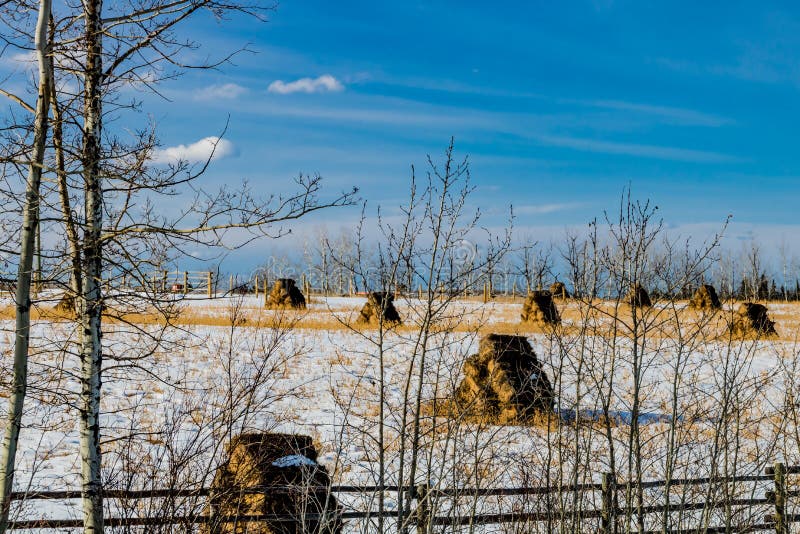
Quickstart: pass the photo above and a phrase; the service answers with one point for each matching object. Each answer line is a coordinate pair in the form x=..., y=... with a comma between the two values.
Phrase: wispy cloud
x=201, y=151
x=753, y=65
x=403, y=114
x=668, y=114
x=29, y=56
x=633, y=149
x=323, y=84
x=225, y=91
x=543, y=209
x=380, y=112
x=677, y=115
x=25, y=59
x=766, y=53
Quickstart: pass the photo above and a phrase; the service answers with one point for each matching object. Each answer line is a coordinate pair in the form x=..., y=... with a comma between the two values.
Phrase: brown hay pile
x=638, y=297
x=285, y=462
x=539, y=308
x=285, y=294
x=379, y=302
x=559, y=290
x=504, y=382
x=705, y=298
x=66, y=306
x=751, y=319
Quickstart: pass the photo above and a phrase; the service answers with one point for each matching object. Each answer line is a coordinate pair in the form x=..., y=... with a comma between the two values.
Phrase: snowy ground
x=322, y=381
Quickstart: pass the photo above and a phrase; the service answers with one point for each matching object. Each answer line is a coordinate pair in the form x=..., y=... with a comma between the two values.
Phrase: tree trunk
x=73, y=241
x=30, y=224
x=90, y=306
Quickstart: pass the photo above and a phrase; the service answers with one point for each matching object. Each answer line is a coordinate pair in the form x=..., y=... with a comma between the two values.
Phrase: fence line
x=503, y=283
x=183, y=281
x=425, y=516
x=258, y=284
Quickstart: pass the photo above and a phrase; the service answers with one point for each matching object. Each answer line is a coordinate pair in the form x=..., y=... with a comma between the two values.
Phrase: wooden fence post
x=208, y=284
x=780, y=499
x=185, y=282
x=485, y=292
x=256, y=287
x=419, y=291
x=608, y=485
x=423, y=508
x=230, y=284
x=164, y=276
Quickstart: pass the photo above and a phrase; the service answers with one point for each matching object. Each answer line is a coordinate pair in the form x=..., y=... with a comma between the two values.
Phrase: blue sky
x=559, y=105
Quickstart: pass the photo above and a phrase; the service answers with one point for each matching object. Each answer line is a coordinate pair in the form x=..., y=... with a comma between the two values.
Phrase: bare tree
x=117, y=231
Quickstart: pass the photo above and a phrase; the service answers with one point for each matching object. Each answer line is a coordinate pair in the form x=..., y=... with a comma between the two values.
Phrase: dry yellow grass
x=502, y=315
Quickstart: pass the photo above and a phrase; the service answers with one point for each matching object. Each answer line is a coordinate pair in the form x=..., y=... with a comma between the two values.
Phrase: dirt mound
x=751, y=319
x=705, y=298
x=559, y=290
x=379, y=302
x=638, y=297
x=285, y=294
x=272, y=475
x=539, y=308
x=504, y=382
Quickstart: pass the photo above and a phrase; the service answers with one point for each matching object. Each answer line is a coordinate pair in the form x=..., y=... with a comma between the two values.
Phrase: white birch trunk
x=30, y=224
x=90, y=303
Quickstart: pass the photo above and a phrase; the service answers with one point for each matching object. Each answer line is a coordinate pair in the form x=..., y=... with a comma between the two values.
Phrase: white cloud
x=226, y=91
x=324, y=84
x=24, y=57
x=195, y=152
x=26, y=60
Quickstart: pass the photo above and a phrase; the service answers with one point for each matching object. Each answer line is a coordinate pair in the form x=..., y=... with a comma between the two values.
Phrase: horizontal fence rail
x=213, y=284
x=426, y=517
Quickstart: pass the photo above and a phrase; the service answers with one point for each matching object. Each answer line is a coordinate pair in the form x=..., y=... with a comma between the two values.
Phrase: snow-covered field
x=707, y=405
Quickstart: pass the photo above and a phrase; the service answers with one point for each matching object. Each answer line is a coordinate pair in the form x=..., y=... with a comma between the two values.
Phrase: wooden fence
x=178, y=282
x=212, y=285
x=427, y=513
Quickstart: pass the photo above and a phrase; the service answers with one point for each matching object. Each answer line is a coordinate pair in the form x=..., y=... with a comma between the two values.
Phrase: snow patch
x=293, y=460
